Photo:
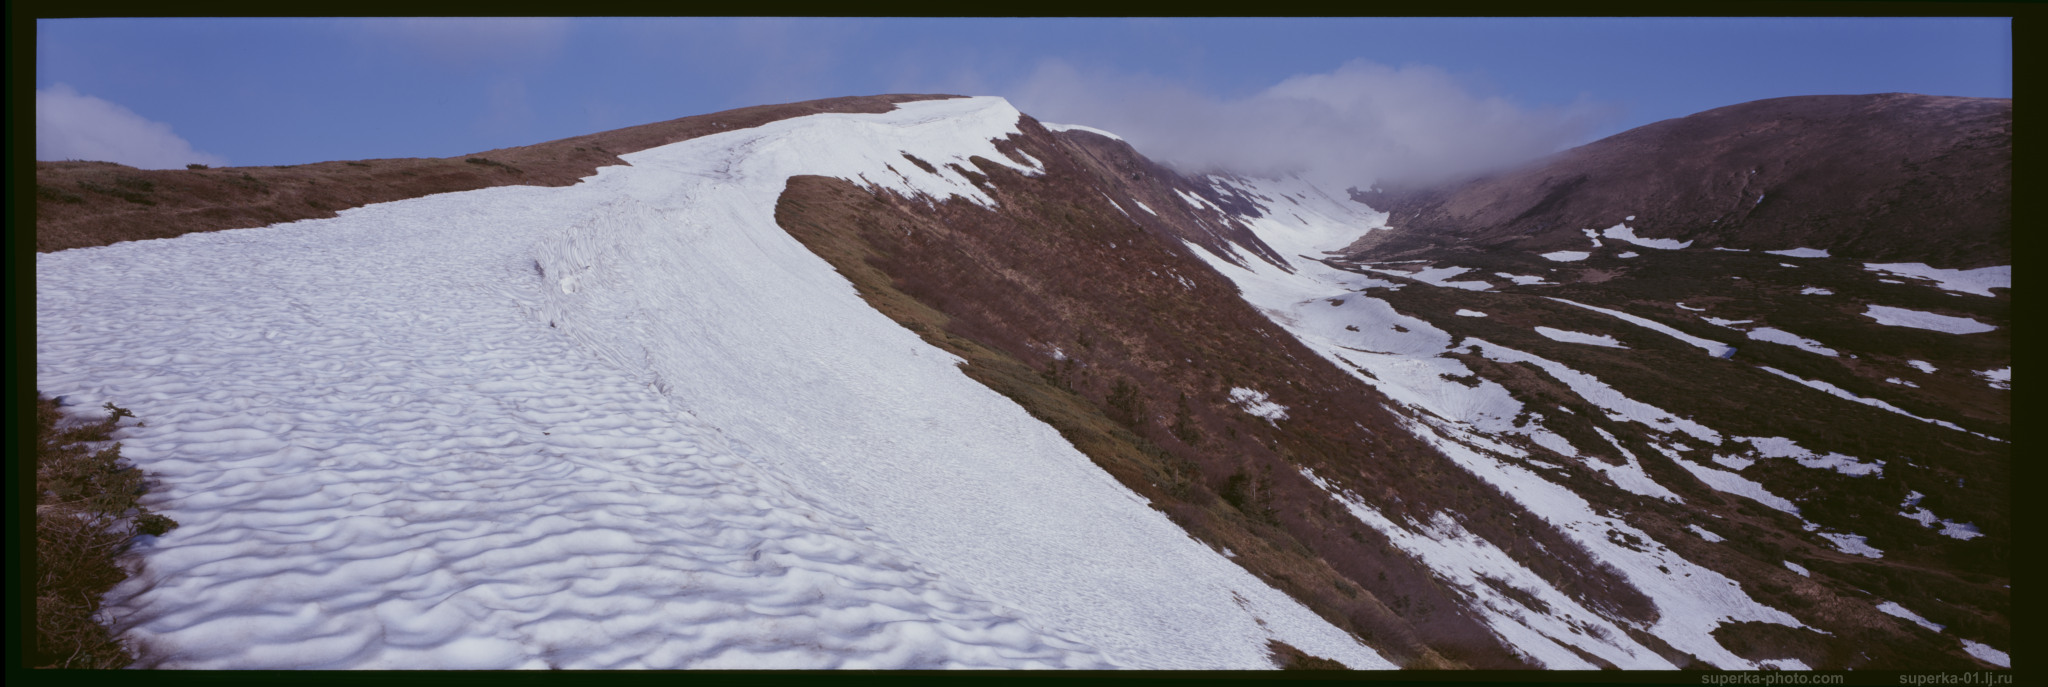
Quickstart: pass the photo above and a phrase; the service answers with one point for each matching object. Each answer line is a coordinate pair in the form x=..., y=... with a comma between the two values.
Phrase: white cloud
x=1361, y=123
x=74, y=126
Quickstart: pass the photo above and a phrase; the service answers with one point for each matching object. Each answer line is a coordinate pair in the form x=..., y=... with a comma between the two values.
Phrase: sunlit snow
x=1987, y=654
x=1579, y=337
x=1978, y=281
x=492, y=429
x=1712, y=347
x=1901, y=317
x=1077, y=127
x=2000, y=378
x=1893, y=609
x=1780, y=336
x=1256, y=403
x=1626, y=233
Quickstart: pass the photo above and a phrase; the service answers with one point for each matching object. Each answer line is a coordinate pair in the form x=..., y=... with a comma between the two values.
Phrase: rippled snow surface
x=623, y=424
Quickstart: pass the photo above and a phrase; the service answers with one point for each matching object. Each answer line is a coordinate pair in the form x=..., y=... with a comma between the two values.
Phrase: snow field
x=627, y=423
x=850, y=405
x=381, y=461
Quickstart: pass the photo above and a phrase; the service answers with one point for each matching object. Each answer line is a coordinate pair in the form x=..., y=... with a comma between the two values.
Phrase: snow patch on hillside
x=1712, y=347
x=2000, y=378
x=1901, y=317
x=1624, y=232
x=1987, y=654
x=1978, y=281
x=1894, y=609
x=1567, y=255
x=1780, y=336
x=1841, y=393
x=1464, y=559
x=1077, y=127
x=1256, y=403
x=1801, y=252
x=1579, y=337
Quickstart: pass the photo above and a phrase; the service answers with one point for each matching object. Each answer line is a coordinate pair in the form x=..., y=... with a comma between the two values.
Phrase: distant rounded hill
x=1886, y=177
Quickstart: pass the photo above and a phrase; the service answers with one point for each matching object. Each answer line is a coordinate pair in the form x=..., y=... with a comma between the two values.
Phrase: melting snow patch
x=1780, y=447
x=1815, y=291
x=1893, y=609
x=1795, y=567
x=1712, y=347
x=1626, y=233
x=1839, y=392
x=1801, y=252
x=1726, y=323
x=1704, y=534
x=1732, y=250
x=1579, y=337
x=1077, y=127
x=1921, y=365
x=1520, y=279
x=1549, y=631
x=1594, y=235
x=1780, y=336
x=1143, y=206
x=1979, y=281
x=1950, y=528
x=1901, y=317
x=1567, y=255
x=1626, y=254
x=1852, y=543
x=2000, y=378
x=1688, y=307
x=1987, y=654
x=1729, y=482
x=1256, y=403
x=1896, y=380
x=1630, y=475
x=1470, y=313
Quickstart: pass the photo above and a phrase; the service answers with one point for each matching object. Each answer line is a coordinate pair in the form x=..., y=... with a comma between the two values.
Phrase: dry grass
x=86, y=511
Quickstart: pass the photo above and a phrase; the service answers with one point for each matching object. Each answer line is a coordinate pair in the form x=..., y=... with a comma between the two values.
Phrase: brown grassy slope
x=1962, y=582
x=1145, y=383
x=1889, y=177
x=82, y=204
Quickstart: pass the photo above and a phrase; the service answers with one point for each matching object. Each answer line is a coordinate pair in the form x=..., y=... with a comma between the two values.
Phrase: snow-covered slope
x=1405, y=358
x=628, y=423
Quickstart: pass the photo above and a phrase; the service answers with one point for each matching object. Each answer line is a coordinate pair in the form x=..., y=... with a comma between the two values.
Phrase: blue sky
x=1407, y=92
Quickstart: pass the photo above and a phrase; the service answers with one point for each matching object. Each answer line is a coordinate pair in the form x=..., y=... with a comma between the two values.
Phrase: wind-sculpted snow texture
x=1331, y=312
x=628, y=423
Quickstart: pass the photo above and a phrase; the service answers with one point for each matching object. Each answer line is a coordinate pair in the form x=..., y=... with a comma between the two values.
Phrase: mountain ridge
x=1336, y=425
